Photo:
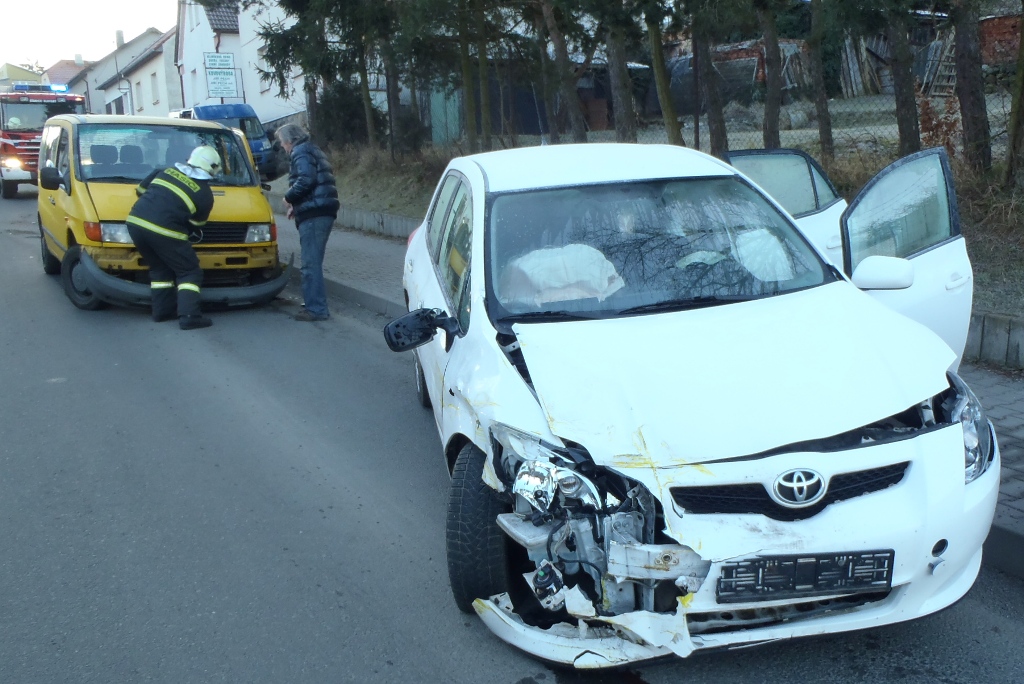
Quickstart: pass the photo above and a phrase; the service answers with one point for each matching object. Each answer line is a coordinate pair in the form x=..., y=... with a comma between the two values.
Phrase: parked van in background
x=242, y=117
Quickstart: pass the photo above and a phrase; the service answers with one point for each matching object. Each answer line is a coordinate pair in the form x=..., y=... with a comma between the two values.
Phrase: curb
x=1003, y=550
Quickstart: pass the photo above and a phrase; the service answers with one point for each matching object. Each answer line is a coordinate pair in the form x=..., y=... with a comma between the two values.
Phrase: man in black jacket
x=312, y=200
x=172, y=203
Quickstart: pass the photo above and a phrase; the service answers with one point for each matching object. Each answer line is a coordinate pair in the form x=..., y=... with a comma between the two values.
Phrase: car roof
x=582, y=164
x=123, y=120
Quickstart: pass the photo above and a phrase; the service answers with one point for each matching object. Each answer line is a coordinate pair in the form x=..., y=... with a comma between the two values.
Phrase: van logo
x=799, y=488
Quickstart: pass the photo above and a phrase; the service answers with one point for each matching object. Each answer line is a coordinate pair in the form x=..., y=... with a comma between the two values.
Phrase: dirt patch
x=371, y=180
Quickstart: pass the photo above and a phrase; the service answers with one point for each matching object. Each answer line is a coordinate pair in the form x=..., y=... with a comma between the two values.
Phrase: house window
x=154, y=88
x=138, y=96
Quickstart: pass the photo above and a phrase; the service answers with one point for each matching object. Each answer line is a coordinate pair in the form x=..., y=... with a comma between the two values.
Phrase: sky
x=47, y=31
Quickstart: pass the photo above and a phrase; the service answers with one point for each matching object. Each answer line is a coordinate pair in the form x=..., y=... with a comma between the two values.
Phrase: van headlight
x=967, y=410
x=115, y=232
x=539, y=471
x=258, y=232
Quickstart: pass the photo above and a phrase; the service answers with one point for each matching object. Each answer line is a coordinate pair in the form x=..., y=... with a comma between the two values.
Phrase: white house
x=220, y=54
x=263, y=96
x=153, y=77
x=208, y=54
x=106, y=89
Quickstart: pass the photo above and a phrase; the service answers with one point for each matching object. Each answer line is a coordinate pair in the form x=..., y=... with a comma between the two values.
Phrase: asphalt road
x=264, y=501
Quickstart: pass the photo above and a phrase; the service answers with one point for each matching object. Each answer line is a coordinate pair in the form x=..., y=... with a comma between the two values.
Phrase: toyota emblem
x=799, y=488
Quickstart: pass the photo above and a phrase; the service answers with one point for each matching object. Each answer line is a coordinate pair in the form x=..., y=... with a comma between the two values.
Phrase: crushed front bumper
x=122, y=292
x=928, y=505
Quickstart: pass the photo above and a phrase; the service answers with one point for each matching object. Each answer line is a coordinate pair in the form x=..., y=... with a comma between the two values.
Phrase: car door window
x=904, y=212
x=48, y=146
x=63, y=153
x=440, y=210
x=826, y=193
x=456, y=242
x=791, y=177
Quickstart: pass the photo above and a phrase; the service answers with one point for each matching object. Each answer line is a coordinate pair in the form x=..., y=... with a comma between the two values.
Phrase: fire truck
x=24, y=108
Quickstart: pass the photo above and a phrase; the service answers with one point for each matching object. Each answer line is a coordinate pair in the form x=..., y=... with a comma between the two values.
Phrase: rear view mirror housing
x=877, y=272
x=49, y=178
x=418, y=327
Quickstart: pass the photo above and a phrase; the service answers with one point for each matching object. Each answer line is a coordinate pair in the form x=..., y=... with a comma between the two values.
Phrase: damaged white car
x=673, y=424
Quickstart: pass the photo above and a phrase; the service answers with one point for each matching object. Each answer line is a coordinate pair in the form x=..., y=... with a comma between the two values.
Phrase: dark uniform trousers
x=170, y=261
x=171, y=205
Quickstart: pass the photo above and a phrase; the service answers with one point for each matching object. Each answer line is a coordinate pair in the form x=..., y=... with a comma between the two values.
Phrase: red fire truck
x=23, y=111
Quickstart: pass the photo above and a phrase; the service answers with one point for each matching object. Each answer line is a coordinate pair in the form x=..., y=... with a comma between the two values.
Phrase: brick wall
x=1000, y=40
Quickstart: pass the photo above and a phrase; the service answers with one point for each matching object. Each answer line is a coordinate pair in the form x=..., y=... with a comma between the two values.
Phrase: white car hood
x=695, y=386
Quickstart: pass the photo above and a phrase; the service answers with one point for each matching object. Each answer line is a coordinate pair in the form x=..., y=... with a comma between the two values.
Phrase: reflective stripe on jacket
x=171, y=203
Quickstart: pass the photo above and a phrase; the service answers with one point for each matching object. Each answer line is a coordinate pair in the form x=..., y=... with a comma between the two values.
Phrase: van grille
x=223, y=233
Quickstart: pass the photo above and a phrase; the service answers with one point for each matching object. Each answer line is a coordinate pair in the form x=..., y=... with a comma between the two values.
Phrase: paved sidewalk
x=367, y=269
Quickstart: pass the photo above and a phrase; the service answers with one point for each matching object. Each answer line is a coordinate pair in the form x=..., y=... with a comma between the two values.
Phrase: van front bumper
x=122, y=292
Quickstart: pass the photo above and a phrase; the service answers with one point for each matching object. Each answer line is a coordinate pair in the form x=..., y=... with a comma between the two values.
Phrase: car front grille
x=754, y=498
x=223, y=233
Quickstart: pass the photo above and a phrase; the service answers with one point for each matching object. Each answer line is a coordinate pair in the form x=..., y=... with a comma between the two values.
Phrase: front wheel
x=51, y=264
x=10, y=189
x=72, y=277
x=421, y=387
x=478, y=558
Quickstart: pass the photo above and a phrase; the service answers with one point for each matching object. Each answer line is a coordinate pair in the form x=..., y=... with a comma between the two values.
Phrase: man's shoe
x=164, y=317
x=193, y=322
x=308, y=317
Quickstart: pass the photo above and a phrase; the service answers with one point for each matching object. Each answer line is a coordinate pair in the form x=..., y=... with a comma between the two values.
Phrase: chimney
x=120, y=39
x=78, y=60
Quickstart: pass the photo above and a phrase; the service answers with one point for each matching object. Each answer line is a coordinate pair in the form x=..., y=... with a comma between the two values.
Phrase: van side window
x=63, y=153
x=48, y=146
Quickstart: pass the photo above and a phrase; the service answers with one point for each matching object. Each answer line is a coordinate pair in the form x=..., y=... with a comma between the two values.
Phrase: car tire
x=72, y=278
x=421, y=386
x=478, y=557
x=51, y=264
x=10, y=190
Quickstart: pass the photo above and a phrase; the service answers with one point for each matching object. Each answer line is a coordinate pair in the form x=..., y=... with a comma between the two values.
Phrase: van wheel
x=72, y=276
x=51, y=264
x=477, y=549
x=10, y=189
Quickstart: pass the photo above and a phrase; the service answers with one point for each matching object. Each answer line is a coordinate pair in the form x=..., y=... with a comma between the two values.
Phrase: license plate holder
x=771, y=578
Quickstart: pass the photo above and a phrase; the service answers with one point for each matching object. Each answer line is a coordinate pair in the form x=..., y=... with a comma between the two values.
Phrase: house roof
x=84, y=72
x=156, y=48
x=224, y=17
x=65, y=70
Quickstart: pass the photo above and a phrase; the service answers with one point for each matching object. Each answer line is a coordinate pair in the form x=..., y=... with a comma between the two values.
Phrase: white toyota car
x=677, y=418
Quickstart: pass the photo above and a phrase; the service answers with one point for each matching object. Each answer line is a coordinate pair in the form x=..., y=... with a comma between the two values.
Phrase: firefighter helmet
x=205, y=158
x=14, y=122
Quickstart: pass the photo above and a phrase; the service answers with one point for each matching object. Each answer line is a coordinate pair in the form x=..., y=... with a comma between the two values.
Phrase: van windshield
x=127, y=153
x=249, y=125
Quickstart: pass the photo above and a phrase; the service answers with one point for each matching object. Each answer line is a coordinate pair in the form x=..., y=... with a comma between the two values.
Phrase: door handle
x=834, y=243
x=956, y=280
x=53, y=201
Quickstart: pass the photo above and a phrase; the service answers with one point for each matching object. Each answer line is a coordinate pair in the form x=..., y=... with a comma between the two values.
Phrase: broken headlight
x=967, y=410
x=541, y=470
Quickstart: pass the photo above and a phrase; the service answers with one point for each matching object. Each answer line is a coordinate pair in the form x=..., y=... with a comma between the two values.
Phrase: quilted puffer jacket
x=312, y=191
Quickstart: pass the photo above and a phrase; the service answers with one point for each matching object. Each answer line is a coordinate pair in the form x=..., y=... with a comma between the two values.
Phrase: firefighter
x=173, y=203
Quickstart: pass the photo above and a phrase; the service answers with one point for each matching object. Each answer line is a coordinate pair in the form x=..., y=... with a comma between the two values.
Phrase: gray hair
x=291, y=134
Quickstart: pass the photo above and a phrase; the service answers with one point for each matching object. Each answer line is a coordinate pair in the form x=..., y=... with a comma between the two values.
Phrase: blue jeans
x=313, y=234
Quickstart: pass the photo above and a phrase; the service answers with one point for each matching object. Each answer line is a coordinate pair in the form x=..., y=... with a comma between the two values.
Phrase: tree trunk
x=1015, y=146
x=468, y=96
x=395, y=133
x=904, y=85
x=312, y=109
x=364, y=91
x=622, y=87
x=483, y=72
x=711, y=86
x=970, y=86
x=814, y=44
x=566, y=74
x=554, y=135
x=772, y=77
x=663, y=83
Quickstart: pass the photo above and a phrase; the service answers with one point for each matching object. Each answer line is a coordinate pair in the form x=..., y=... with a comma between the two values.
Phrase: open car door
x=909, y=210
x=793, y=179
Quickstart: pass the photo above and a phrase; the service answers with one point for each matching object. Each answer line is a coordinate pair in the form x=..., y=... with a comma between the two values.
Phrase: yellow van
x=89, y=168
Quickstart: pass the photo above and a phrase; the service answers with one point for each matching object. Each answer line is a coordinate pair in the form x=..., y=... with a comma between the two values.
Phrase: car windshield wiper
x=688, y=303
x=114, y=179
x=539, y=316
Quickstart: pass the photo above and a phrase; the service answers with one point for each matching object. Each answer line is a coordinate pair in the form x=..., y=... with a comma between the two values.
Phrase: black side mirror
x=416, y=328
x=49, y=178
